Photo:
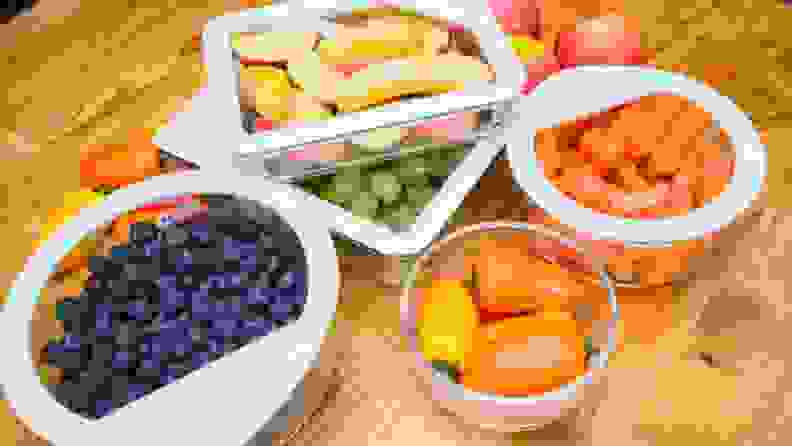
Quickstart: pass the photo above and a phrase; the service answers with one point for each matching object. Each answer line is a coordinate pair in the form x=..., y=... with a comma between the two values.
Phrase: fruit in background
x=120, y=165
x=73, y=202
x=271, y=47
x=539, y=70
x=525, y=355
x=447, y=321
x=428, y=75
x=516, y=17
x=608, y=40
x=270, y=88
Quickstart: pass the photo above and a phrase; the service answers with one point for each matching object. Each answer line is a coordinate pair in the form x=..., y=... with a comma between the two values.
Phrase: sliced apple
x=419, y=75
x=271, y=47
x=314, y=77
x=383, y=38
x=307, y=108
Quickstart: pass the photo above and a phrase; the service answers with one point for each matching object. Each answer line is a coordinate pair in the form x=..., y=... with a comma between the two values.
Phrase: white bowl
x=180, y=411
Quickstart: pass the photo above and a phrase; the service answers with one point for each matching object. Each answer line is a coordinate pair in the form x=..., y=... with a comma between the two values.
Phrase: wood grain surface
x=82, y=72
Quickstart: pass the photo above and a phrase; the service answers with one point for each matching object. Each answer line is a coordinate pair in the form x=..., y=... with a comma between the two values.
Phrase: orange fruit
x=525, y=355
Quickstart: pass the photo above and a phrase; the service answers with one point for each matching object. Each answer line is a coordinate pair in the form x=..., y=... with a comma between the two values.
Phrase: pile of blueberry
x=172, y=300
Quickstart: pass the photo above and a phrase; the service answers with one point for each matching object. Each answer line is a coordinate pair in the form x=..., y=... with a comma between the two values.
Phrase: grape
x=365, y=206
x=386, y=186
x=420, y=197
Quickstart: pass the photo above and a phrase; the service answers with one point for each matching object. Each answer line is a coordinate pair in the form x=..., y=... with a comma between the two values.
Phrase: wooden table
x=92, y=76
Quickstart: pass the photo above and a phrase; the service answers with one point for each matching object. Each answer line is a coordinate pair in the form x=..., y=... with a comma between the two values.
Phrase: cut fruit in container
x=525, y=355
x=270, y=89
x=315, y=77
x=447, y=322
x=272, y=47
x=382, y=38
x=379, y=83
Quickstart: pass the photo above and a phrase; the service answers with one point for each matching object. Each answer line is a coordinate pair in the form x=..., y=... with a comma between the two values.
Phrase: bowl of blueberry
x=184, y=289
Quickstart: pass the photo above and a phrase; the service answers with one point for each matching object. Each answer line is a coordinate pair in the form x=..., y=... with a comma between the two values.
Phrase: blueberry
x=74, y=396
x=257, y=327
x=147, y=271
x=123, y=360
x=269, y=263
x=120, y=253
x=280, y=311
x=143, y=232
x=62, y=357
x=68, y=309
x=265, y=244
x=137, y=391
x=139, y=309
x=103, y=267
x=176, y=235
x=288, y=280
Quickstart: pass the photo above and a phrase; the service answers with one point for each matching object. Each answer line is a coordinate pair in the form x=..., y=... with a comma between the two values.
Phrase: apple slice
x=314, y=77
x=383, y=38
x=307, y=108
x=419, y=75
x=271, y=47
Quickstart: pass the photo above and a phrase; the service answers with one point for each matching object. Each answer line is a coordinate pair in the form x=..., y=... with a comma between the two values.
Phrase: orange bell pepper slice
x=120, y=165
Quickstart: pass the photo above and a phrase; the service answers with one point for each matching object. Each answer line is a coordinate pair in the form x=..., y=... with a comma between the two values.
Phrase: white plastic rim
x=226, y=401
x=459, y=392
x=589, y=89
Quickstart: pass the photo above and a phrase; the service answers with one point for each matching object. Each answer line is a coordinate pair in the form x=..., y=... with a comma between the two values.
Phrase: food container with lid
x=190, y=403
x=385, y=174
x=633, y=241
x=450, y=370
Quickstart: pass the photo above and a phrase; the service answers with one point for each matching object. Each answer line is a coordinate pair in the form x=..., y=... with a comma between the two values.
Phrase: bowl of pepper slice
x=507, y=324
x=652, y=165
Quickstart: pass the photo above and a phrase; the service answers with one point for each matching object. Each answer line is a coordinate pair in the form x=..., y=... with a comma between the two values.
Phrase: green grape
x=403, y=215
x=420, y=196
x=385, y=185
x=364, y=206
x=347, y=184
x=329, y=194
x=413, y=167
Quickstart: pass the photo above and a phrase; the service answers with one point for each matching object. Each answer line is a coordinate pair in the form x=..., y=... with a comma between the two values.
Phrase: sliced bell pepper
x=120, y=165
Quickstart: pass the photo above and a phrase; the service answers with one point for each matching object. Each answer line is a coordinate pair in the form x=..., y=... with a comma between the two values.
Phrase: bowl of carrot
x=656, y=179
x=510, y=323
